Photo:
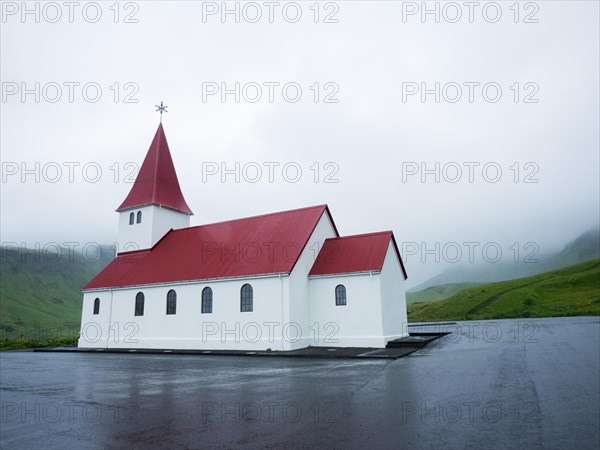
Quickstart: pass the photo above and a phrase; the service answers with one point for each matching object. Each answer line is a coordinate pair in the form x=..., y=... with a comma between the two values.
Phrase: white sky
x=368, y=135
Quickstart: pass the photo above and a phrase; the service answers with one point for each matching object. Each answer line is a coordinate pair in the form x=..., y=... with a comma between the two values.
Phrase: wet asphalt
x=490, y=384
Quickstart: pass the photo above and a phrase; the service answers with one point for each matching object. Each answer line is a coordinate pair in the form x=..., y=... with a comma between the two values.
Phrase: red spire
x=157, y=181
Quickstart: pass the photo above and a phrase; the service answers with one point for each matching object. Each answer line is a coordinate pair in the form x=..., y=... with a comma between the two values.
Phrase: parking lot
x=501, y=384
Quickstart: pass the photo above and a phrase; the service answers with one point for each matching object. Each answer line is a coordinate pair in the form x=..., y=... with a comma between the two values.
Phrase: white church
x=279, y=281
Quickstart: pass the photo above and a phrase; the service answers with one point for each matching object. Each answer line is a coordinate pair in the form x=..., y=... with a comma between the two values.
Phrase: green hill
x=572, y=291
x=40, y=291
x=436, y=293
x=585, y=247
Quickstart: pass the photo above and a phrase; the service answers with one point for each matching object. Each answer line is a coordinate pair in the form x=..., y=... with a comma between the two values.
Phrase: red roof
x=157, y=180
x=350, y=254
x=259, y=245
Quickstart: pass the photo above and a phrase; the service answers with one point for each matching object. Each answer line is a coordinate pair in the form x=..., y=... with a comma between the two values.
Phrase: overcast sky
x=370, y=57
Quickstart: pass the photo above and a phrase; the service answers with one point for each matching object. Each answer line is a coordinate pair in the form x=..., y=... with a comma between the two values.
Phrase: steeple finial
x=162, y=109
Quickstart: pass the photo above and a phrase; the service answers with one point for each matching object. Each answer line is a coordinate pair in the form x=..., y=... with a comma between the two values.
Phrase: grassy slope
x=435, y=293
x=571, y=291
x=585, y=247
x=36, y=290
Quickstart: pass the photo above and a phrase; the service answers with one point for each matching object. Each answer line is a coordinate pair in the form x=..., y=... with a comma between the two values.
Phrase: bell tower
x=155, y=203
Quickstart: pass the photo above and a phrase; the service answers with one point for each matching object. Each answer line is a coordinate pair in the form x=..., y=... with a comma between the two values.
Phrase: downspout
x=109, y=317
x=282, y=324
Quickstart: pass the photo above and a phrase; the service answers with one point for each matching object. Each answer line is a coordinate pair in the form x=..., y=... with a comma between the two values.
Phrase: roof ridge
x=352, y=236
x=160, y=129
x=253, y=217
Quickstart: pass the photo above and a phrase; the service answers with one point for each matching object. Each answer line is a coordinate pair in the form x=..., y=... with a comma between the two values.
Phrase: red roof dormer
x=157, y=182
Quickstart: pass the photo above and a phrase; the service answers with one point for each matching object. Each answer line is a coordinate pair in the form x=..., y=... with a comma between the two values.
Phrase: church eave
x=141, y=205
x=346, y=274
x=178, y=283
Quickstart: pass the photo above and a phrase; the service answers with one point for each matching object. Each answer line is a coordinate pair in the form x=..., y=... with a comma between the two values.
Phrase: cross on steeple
x=162, y=109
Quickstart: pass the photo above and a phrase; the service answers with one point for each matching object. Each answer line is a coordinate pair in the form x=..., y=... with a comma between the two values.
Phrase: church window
x=97, y=306
x=207, y=297
x=340, y=295
x=139, y=217
x=131, y=218
x=139, y=304
x=171, y=302
x=246, y=298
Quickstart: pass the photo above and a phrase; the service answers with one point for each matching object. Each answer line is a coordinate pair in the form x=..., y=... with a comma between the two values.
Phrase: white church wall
x=94, y=326
x=156, y=222
x=358, y=323
x=393, y=296
x=298, y=310
x=164, y=219
x=225, y=328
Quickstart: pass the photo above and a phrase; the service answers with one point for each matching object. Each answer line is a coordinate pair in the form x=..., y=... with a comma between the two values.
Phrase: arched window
x=171, y=302
x=340, y=295
x=139, y=217
x=139, y=304
x=131, y=218
x=246, y=298
x=97, y=306
x=207, y=300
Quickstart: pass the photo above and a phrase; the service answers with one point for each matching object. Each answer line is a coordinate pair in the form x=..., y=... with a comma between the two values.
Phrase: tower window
x=139, y=304
x=340, y=295
x=171, y=302
x=139, y=217
x=131, y=218
x=97, y=306
x=207, y=297
x=246, y=298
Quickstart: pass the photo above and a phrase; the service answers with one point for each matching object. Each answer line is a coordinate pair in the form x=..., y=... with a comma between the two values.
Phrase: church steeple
x=157, y=182
x=155, y=203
